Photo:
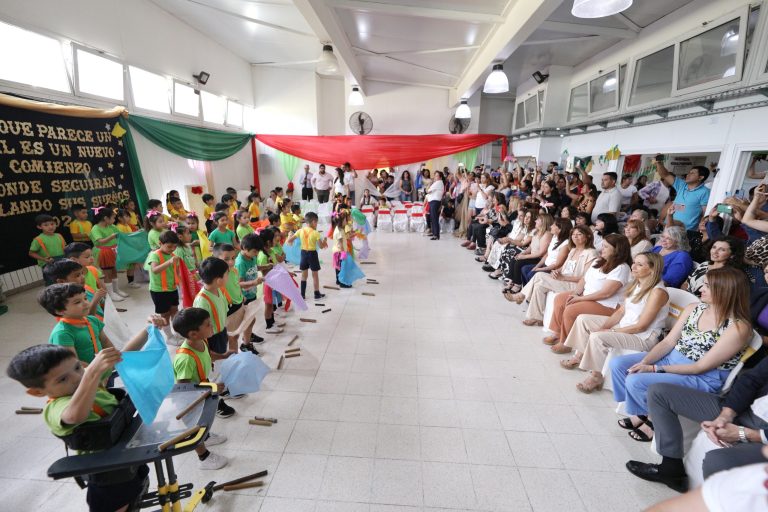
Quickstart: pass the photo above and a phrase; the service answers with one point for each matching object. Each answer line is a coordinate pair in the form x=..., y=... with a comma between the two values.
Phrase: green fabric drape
x=289, y=164
x=188, y=141
x=468, y=158
x=142, y=198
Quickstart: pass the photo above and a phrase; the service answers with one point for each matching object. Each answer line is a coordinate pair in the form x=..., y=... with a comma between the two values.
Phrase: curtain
x=372, y=151
x=133, y=162
x=468, y=158
x=188, y=141
x=289, y=163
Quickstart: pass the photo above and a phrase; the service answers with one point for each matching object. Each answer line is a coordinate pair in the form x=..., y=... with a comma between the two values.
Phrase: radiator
x=20, y=280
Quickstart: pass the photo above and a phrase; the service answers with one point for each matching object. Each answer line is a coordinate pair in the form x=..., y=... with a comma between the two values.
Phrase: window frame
x=155, y=113
x=76, y=75
x=515, y=116
x=742, y=15
x=613, y=69
x=568, y=118
x=631, y=79
x=226, y=113
x=541, y=97
x=758, y=58
x=174, y=112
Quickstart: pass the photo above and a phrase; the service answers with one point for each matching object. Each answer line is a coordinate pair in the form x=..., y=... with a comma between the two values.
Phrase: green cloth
x=242, y=231
x=248, y=271
x=219, y=237
x=131, y=248
x=78, y=337
x=276, y=251
x=289, y=163
x=233, y=286
x=187, y=256
x=185, y=366
x=188, y=141
x=468, y=158
x=156, y=279
x=54, y=246
x=142, y=198
x=55, y=408
x=218, y=320
x=153, y=238
x=98, y=232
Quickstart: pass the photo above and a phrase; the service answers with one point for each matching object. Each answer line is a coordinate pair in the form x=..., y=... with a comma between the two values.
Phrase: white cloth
x=553, y=252
x=436, y=191
x=594, y=280
x=349, y=181
x=736, y=490
x=322, y=181
x=338, y=186
x=632, y=312
x=626, y=194
x=480, y=200
x=609, y=201
x=641, y=247
x=308, y=175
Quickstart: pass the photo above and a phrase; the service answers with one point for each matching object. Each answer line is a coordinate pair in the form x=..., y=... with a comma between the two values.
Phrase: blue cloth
x=293, y=252
x=633, y=388
x=349, y=272
x=677, y=267
x=148, y=375
x=691, y=201
x=527, y=273
x=242, y=373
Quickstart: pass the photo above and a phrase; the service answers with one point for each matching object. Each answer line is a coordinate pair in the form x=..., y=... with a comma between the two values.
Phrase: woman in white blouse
x=483, y=197
x=638, y=237
x=636, y=324
x=434, y=199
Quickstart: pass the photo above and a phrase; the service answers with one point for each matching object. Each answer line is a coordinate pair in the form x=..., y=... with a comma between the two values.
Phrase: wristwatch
x=743, y=435
x=659, y=369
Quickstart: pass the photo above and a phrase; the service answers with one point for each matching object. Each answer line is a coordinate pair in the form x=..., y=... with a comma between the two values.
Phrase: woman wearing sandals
x=598, y=293
x=513, y=266
x=580, y=256
x=636, y=325
x=705, y=344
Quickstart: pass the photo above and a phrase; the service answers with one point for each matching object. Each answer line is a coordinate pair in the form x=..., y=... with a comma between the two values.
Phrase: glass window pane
x=519, y=116
x=234, y=114
x=532, y=110
x=30, y=58
x=214, y=107
x=150, y=91
x=653, y=77
x=99, y=76
x=603, y=92
x=709, y=56
x=577, y=107
x=185, y=100
x=622, y=79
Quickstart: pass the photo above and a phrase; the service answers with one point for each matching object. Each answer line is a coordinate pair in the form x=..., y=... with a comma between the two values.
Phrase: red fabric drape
x=255, y=160
x=504, y=149
x=371, y=151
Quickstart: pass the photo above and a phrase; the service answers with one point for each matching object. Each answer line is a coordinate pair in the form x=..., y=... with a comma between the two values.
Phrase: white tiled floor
x=429, y=396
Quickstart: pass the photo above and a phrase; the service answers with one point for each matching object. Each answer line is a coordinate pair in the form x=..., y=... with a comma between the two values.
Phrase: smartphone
x=725, y=208
x=659, y=158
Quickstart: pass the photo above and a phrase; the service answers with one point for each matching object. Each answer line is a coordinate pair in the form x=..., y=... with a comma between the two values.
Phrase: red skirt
x=107, y=257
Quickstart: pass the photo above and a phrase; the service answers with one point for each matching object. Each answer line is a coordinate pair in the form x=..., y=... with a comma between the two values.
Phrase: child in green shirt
x=250, y=283
x=222, y=234
x=83, y=254
x=214, y=273
x=154, y=224
x=163, y=281
x=104, y=236
x=243, y=219
x=184, y=250
x=48, y=246
x=68, y=271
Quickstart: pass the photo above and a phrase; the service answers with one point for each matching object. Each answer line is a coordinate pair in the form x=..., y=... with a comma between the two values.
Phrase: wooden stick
x=294, y=354
x=293, y=340
x=292, y=350
x=280, y=363
x=187, y=433
x=29, y=411
x=326, y=310
x=23, y=408
x=271, y=420
x=367, y=262
x=331, y=287
x=318, y=304
x=308, y=320
x=194, y=404
x=262, y=423
x=240, y=480
x=245, y=485
x=368, y=294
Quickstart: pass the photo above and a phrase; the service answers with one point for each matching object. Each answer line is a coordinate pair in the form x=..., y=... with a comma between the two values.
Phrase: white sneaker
x=274, y=330
x=115, y=297
x=278, y=323
x=121, y=292
x=134, y=284
x=213, y=461
x=214, y=439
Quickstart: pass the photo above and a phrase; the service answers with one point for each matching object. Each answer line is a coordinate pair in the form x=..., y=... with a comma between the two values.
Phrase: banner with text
x=48, y=163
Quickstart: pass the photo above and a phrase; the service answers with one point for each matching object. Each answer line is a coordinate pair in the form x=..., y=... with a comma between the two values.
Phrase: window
x=579, y=102
x=98, y=76
x=249, y=119
x=604, y=93
x=711, y=56
x=185, y=100
x=532, y=110
x=520, y=116
x=32, y=59
x=214, y=107
x=150, y=91
x=652, y=78
x=234, y=114
x=622, y=80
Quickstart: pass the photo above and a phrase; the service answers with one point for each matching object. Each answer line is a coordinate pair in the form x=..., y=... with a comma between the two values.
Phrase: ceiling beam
x=403, y=82
x=592, y=30
x=423, y=52
x=579, y=39
x=327, y=27
x=521, y=19
x=369, y=53
x=252, y=20
x=631, y=25
x=420, y=12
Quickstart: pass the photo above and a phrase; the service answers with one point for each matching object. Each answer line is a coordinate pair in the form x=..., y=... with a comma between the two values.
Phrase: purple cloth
x=279, y=279
x=762, y=318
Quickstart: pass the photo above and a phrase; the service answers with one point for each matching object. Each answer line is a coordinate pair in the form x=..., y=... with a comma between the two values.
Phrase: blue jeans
x=405, y=196
x=633, y=388
x=528, y=273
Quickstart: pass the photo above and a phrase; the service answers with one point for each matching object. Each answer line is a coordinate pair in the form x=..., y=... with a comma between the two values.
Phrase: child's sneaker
x=319, y=295
x=213, y=461
x=258, y=340
x=247, y=347
x=134, y=284
x=224, y=411
x=214, y=439
x=226, y=395
x=274, y=330
x=278, y=323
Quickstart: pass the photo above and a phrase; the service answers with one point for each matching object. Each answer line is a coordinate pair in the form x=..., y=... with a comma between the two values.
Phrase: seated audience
x=635, y=325
x=725, y=251
x=605, y=224
x=519, y=239
x=699, y=352
x=512, y=266
x=637, y=235
x=555, y=257
x=673, y=247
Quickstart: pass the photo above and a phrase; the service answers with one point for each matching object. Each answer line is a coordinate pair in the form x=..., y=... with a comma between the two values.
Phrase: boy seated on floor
x=75, y=397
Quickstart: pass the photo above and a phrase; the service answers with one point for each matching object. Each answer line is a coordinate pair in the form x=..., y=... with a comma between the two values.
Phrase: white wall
x=331, y=101
x=285, y=101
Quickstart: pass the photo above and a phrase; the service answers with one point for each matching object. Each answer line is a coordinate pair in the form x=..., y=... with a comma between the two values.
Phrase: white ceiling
x=447, y=44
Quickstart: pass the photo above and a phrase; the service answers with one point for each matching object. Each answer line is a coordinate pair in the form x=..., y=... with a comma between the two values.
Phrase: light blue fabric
x=147, y=375
x=242, y=373
x=349, y=272
x=691, y=202
x=293, y=252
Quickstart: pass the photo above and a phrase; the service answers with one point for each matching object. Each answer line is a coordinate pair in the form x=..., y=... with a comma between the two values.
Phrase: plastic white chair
x=418, y=221
x=324, y=213
x=369, y=215
x=309, y=206
x=400, y=220
x=384, y=220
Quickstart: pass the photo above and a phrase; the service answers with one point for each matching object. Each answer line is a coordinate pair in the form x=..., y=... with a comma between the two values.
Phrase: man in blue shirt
x=692, y=196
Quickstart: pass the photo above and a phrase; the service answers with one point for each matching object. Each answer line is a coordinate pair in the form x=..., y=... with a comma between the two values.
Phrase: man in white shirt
x=305, y=180
x=322, y=183
x=350, y=175
x=627, y=190
x=609, y=200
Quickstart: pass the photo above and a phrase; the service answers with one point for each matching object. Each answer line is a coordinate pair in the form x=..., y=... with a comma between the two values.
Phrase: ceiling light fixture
x=327, y=64
x=497, y=82
x=598, y=8
x=463, y=111
x=355, y=98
